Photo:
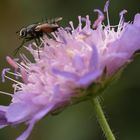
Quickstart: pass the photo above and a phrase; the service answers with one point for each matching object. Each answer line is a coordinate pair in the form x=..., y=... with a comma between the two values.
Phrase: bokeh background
x=121, y=101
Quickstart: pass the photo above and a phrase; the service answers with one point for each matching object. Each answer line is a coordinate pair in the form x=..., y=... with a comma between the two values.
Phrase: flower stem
x=102, y=120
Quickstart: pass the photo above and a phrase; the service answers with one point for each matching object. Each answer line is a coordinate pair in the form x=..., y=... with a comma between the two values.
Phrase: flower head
x=75, y=59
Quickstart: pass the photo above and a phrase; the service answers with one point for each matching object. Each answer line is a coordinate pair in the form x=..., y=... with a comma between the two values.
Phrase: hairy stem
x=102, y=120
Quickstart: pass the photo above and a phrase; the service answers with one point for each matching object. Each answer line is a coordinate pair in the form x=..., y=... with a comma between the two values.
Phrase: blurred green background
x=121, y=101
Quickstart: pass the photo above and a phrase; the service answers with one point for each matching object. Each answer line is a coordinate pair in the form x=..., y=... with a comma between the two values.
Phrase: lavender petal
x=65, y=74
x=88, y=78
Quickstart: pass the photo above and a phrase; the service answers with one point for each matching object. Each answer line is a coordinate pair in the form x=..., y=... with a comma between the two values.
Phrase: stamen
x=7, y=70
x=12, y=62
x=15, y=74
x=24, y=58
x=16, y=87
x=6, y=93
x=24, y=75
x=80, y=24
x=13, y=80
x=107, y=13
x=71, y=24
x=88, y=23
x=106, y=6
x=4, y=71
x=100, y=18
x=24, y=66
x=121, y=19
x=123, y=12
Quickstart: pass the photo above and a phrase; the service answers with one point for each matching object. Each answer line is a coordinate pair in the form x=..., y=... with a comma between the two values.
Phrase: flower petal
x=3, y=119
x=88, y=78
x=137, y=20
x=94, y=58
x=27, y=132
x=78, y=62
x=18, y=112
x=36, y=118
x=65, y=74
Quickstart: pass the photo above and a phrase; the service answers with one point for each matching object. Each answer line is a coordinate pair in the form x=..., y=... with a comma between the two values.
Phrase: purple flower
x=75, y=59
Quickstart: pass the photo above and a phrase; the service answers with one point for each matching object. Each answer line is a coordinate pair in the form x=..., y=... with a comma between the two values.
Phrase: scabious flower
x=75, y=59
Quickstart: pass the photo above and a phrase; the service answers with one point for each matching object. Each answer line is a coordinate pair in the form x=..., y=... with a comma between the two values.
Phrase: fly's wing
x=54, y=20
x=57, y=19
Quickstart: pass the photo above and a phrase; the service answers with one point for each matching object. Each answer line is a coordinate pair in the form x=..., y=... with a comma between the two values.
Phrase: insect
x=37, y=30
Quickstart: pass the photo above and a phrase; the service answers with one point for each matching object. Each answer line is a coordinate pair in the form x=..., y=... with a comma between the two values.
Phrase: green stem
x=102, y=120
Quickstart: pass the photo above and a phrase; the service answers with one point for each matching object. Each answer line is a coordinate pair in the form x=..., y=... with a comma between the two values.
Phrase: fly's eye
x=22, y=32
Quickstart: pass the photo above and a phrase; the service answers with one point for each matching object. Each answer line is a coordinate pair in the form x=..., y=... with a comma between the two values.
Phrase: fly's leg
x=18, y=48
x=50, y=35
x=38, y=42
x=22, y=43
